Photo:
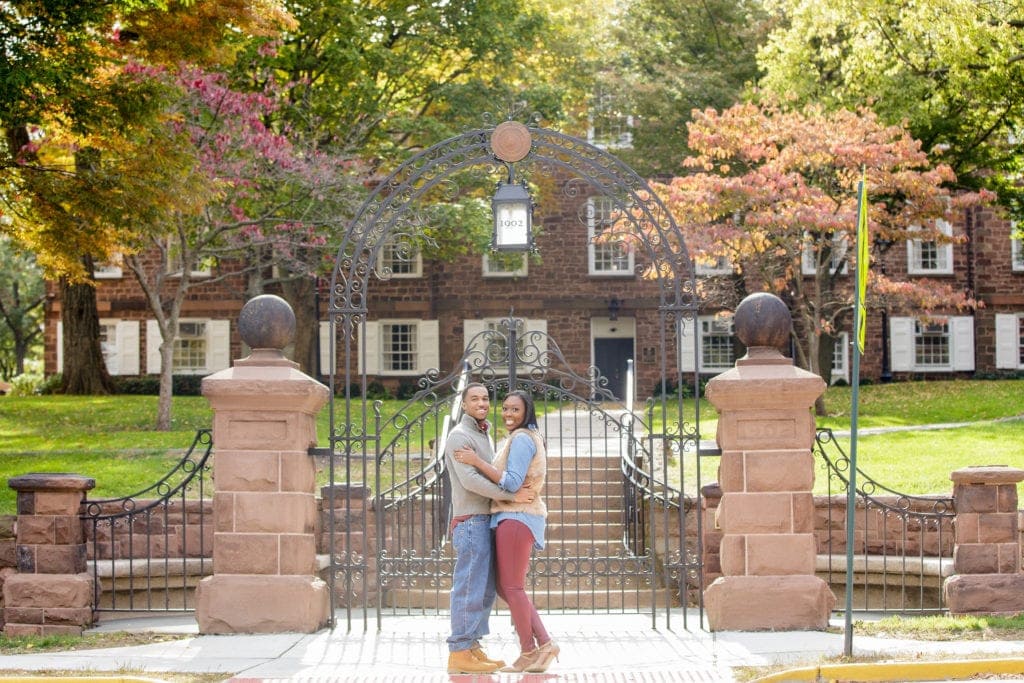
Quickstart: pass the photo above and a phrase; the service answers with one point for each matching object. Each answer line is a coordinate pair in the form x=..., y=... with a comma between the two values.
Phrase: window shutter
x=60, y=346
x=219, y=337
x=687, y=352
x=152, y=347
x=1007, y=342
x=961, y=332
x=470, y=329
x=540, y=340
x=369, y=348
x=328, y=365
x=807, y=256
x=901, y=342
x=429, y=344
x=128, y=347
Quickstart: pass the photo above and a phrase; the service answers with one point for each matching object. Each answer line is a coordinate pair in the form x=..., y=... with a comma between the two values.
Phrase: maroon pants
x=514, y=543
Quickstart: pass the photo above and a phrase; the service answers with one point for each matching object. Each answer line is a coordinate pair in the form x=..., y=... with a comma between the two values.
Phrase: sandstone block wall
x=51, y=593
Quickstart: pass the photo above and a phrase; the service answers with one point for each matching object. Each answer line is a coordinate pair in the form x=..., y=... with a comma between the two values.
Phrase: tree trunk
x=825, y=350
x=300, y=293
x=85, y=371
x=163, y=405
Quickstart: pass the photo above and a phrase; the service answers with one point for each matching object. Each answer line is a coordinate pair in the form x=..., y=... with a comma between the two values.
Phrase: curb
x=900, y=671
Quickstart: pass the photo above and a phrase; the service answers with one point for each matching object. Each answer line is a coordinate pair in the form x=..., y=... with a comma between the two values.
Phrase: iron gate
x=623, y=483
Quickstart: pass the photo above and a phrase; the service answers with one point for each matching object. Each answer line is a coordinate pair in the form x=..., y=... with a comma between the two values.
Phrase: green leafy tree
x=22, y=293
x=379, y=82
x=676, y=56
x=952, y=69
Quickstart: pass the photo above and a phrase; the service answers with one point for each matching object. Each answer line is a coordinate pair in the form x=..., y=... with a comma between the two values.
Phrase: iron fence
x=903, y=543
x=147, y=551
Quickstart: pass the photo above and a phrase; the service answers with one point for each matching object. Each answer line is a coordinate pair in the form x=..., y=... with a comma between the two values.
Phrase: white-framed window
x=609, y=124
x=492, y=349
x=201, y=346
x=119, y=342
x=720, y=265
x=838, y=262
x=841, y=358
x=716, y=344
x=932, y=346
x=505, y=264
x=612, y=257
x=110, y=269
x=1016, y=249
x=400, y=259
x=175, y=264
x=1010, y=341
x=399, y=348
x=190, y=346
x=928, y=257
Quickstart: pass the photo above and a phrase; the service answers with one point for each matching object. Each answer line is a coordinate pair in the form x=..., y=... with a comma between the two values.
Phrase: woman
x=519, y=527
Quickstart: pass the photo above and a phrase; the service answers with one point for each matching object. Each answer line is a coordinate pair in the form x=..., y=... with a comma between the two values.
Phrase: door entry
x=611, y=356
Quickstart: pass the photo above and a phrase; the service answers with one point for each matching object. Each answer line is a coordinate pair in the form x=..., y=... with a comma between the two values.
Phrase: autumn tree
x=950, y=69
x=246, y=185
x=59, y=62
x=773, y=191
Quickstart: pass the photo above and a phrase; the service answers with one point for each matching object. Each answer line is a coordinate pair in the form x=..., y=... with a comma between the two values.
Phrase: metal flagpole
x=859, y=325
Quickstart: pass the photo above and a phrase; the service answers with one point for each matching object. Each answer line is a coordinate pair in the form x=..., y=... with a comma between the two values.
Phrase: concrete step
x=569, y=532
x=573, y=516
x=583, y=462
x=583, y=476
x=544, y=600
x=576, y=490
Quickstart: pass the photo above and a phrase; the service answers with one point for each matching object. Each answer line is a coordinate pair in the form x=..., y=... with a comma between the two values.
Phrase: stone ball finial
x=763, y=320
x=267, y=322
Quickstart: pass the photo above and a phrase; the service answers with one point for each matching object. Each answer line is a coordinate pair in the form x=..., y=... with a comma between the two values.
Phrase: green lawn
x=111, y=438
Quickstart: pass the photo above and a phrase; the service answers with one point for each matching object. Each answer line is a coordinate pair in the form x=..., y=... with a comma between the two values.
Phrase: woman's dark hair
x=529, y=411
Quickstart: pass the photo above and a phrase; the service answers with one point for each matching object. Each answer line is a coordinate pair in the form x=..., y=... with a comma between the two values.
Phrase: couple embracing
x=500, y=493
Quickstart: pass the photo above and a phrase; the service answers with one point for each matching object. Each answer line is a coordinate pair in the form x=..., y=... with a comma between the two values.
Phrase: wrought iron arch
x=390, y=216
x=377, y=218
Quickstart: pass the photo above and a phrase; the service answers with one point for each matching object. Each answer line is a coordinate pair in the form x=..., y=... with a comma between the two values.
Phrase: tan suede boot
x=463, y=662
x=479, y=653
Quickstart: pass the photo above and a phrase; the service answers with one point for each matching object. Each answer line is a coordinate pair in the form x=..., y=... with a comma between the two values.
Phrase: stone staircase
x=584, y=565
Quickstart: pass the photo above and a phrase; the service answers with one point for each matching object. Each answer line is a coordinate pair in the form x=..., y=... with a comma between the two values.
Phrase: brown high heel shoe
x=543, y=656
x=522, y=662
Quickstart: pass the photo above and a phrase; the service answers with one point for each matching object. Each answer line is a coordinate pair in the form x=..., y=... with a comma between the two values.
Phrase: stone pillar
x=264, y=544
x=766, y=514
x=986, y=554
x=52, y=593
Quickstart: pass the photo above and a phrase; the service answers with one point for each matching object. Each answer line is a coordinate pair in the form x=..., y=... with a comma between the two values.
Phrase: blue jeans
x=473, y=588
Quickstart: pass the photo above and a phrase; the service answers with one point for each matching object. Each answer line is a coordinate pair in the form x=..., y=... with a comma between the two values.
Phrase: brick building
x=593, y=301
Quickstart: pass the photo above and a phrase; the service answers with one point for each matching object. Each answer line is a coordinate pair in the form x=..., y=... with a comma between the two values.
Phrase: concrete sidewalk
x=412, y=648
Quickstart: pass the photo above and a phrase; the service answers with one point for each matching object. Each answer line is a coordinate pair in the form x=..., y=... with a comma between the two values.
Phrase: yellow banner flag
x=862, y=261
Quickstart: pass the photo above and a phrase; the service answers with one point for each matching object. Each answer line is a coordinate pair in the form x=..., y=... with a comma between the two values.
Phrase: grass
x=112, y=439
x=26, y=645
x=932, y=628
x=945, y=627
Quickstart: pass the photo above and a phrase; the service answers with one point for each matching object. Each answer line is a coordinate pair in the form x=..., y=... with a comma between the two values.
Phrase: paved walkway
x=604, y=648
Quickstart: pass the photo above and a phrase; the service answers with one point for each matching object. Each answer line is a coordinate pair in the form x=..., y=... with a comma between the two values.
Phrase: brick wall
x=559, y=289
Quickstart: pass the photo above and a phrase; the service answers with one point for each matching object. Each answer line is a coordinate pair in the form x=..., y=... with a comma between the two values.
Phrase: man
x=473, y=590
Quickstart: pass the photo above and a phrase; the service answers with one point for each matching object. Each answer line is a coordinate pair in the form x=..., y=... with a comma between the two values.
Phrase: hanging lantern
x=513, y=218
